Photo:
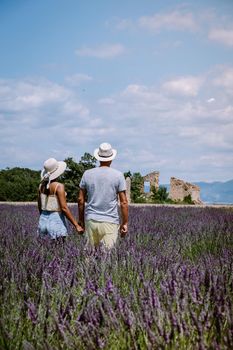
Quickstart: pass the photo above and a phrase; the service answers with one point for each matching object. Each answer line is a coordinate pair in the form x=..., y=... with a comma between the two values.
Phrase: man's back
x=102, y=185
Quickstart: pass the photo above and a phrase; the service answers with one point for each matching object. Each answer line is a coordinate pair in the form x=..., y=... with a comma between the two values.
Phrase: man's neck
x=106, y=164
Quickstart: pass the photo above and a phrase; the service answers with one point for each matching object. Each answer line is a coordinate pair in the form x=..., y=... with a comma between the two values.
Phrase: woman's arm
x=81, y=206
x=39, y=201
x=60, y=192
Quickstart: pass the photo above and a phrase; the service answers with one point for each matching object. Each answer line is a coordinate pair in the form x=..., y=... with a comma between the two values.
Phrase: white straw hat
x=105, y=152
x=52, y=169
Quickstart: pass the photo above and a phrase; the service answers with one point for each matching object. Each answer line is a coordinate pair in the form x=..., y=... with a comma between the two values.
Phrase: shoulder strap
x=56, y=188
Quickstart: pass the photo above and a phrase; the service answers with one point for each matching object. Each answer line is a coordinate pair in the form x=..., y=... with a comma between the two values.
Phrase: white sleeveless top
x=50, y=202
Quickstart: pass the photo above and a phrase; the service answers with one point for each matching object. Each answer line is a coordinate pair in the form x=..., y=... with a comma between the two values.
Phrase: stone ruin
x=180, y=189
x=152, y=178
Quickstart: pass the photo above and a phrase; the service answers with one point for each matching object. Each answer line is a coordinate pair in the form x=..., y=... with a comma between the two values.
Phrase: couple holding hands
x=100, y=190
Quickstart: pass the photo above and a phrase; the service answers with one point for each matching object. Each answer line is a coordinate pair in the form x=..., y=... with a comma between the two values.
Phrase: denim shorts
x=52, y=224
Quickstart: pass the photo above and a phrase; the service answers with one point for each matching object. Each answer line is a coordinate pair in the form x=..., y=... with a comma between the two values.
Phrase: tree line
x=21, y=184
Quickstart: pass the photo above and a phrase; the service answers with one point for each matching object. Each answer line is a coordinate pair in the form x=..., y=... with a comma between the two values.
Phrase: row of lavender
x=168, y=285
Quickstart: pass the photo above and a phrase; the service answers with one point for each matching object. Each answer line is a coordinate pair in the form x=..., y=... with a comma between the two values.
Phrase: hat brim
x=104, y=159
x=60, y=170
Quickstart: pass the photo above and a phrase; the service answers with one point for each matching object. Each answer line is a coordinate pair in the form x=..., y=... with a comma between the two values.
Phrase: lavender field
x=168, y=285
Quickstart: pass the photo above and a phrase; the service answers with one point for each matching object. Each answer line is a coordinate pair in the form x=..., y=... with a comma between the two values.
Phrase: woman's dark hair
x=43, y=187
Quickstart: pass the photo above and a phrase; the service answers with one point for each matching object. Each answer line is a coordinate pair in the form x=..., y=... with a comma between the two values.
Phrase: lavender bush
x=168, y=285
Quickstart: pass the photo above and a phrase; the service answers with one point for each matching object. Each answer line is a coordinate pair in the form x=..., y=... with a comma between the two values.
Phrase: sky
x=153, y=78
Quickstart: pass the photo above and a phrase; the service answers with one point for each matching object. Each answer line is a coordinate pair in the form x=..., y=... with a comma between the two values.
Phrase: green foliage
x=137, y=196
x=159, y=195
x=188, y=199
x=136, y=188
x=72, y=176
x=208, y=244
x=128, y=174
x=87, y=161
x=19, y=184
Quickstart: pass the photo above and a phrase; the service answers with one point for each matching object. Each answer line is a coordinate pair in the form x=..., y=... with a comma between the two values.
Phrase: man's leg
x=109, y=233
x=91, y=228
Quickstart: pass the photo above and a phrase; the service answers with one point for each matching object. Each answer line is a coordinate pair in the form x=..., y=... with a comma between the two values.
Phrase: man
x=102, y=187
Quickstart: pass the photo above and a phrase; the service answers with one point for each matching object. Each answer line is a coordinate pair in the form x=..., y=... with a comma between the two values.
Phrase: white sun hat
x=52, y=169
x=105, y=152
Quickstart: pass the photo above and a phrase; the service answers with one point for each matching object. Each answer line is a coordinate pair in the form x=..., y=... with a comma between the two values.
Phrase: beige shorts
x=101, y=232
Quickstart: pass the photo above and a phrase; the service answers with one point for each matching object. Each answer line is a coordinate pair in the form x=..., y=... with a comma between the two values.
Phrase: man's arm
x=124, y=213
x=81, y=206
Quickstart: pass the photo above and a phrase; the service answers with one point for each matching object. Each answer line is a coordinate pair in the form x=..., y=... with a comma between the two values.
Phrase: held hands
x=123, y=230
x=79, y=229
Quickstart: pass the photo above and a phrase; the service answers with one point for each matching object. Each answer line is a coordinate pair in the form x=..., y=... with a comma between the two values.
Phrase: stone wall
x=153, y=179
x=180, y=189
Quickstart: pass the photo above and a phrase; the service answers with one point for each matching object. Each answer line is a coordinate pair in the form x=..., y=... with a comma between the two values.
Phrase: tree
x=128, y=174
x=136, y=187
x=159, y=195
x=73, y=174
x=88, y=161
x=19, y=184
x=188, y=199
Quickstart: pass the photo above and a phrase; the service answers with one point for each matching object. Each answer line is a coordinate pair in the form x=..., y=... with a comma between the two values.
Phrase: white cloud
x=218, y=139
x=77, y=79
x=216, y=160
x=224, y=79
x=166, y=126
x=172, y=129
x=34, y=116
x=175, y=20
x=185, y=86
x=223, y=36
x=144, y=96
x=75, y=108
x=34, y=96
x=30, y=94
x=209, y=136
x=102, y=51
x=211, y=100
x=189, y=131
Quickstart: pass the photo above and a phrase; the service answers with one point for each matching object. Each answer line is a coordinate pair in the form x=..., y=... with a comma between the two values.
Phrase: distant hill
x=215, y=192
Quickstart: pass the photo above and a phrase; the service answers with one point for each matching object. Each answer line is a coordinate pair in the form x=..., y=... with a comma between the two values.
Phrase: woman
x=52, y=203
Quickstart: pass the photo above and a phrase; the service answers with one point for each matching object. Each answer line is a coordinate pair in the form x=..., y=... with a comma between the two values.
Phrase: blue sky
x=153, y=78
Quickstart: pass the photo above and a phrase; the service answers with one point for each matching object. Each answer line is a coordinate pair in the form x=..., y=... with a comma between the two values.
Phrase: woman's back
x=49, y=200
x=52, y=203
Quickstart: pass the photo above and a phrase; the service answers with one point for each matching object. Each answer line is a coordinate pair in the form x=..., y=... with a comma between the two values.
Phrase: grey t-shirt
x=102, y=185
